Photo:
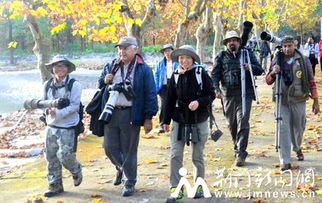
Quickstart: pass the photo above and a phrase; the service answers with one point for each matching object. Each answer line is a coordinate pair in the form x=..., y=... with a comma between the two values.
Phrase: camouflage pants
x=59, y=151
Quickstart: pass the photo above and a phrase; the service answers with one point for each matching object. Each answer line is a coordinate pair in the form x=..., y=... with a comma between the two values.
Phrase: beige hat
x=185, y=50
x=60, y=58
x=127, y=41
x=229, y=35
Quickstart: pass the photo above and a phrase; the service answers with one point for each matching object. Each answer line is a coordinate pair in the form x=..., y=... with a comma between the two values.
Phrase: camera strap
x=129, y=69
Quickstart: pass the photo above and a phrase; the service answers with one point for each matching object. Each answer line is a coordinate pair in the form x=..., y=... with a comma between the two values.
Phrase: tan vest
x=298, y=91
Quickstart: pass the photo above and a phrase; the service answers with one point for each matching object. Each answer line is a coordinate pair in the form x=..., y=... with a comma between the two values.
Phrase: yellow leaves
x=150, y=161
x=12, y=44
x=57, y=28
x=98, y=201
x=82, y=33
x=117, y=6
x=138, y=22
x=318, y=192
x=39, y=12
x=276, y=172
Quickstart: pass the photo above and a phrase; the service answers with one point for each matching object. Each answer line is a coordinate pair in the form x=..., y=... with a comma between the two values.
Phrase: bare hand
x=166, y=127
x=246, y=66
x=193, y=105
x=218, y=95
x=147, y=126
x=316, y=107
x=51, y=111
x=276, y=69
x=108, y=78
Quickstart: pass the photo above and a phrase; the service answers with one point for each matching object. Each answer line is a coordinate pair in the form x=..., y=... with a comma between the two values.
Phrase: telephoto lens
x=40, y=104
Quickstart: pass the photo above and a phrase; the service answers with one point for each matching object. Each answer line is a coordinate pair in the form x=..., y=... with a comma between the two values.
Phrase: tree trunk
x=82, y=41
x=10, y=40
x=203, y=33
x=180, y=34
x=241, y=15
x=135, y=30
x=190, y=15
x=41, y=48
x=218, y=28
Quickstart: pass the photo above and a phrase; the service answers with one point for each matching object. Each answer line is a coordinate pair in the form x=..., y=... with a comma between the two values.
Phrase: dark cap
x=127, y=41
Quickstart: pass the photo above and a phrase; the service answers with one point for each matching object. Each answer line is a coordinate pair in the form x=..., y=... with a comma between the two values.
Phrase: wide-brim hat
x=229, y=35
x=167, y=46
x=60, y=58
x=185, y=50
x=127, y=41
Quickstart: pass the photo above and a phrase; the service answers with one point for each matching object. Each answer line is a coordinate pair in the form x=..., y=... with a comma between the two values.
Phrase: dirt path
x=153, y=170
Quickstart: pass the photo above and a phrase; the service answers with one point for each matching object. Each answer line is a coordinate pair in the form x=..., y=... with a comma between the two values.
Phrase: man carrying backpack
x=227, y=70
x=61, y=123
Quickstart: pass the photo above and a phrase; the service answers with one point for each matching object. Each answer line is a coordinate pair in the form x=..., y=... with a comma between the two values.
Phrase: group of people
x=186, y=91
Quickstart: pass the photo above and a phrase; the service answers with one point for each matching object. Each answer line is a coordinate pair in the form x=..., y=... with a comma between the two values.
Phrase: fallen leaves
x=95, y=195
x=98, y=201
x=149, y=161
x=304, y=188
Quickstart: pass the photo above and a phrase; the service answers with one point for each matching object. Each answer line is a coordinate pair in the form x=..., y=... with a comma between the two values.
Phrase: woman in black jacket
x=190, y=93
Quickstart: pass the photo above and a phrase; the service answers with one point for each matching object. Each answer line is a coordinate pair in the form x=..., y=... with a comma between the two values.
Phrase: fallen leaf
x=318, y=192
x=148, y=136
x=95, y=195
x=98, y=201
x=151, y=161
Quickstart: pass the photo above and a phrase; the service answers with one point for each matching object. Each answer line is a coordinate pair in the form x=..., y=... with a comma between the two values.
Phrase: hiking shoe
x=285, y=167
x=300, y=155
x=78, y=179
x=199, y=193
x=128, y=191
x=175, y=199
x=118, y=177
x=54, y=190
x=240, y=161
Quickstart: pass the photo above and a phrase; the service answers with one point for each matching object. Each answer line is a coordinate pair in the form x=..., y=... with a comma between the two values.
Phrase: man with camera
x=131, y=105
x=297, y=82
x=227, y=70
x=61, y=122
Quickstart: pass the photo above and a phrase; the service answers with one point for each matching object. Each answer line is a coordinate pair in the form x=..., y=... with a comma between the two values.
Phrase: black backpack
x=79, y=128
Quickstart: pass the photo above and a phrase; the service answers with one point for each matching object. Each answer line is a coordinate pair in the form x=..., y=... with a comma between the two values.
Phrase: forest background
x=75, y=27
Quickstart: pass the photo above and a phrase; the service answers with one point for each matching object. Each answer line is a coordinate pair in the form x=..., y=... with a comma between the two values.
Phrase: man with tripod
x=296, y=84
x=227, y=70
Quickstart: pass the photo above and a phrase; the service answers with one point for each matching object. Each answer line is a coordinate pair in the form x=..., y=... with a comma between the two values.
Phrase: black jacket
x=227, y=71
x=186, y=91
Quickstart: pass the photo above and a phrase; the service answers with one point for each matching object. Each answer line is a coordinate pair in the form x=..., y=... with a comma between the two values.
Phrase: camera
x=114, y=91
x=40, y=104
x=189, y=132
x=271, y=38
x=215, y=135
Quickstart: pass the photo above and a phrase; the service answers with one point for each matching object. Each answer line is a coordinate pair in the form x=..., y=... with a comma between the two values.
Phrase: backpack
x=79, y=128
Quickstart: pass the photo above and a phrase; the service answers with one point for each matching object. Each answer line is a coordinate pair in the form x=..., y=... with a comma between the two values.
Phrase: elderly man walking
x=121, y=132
